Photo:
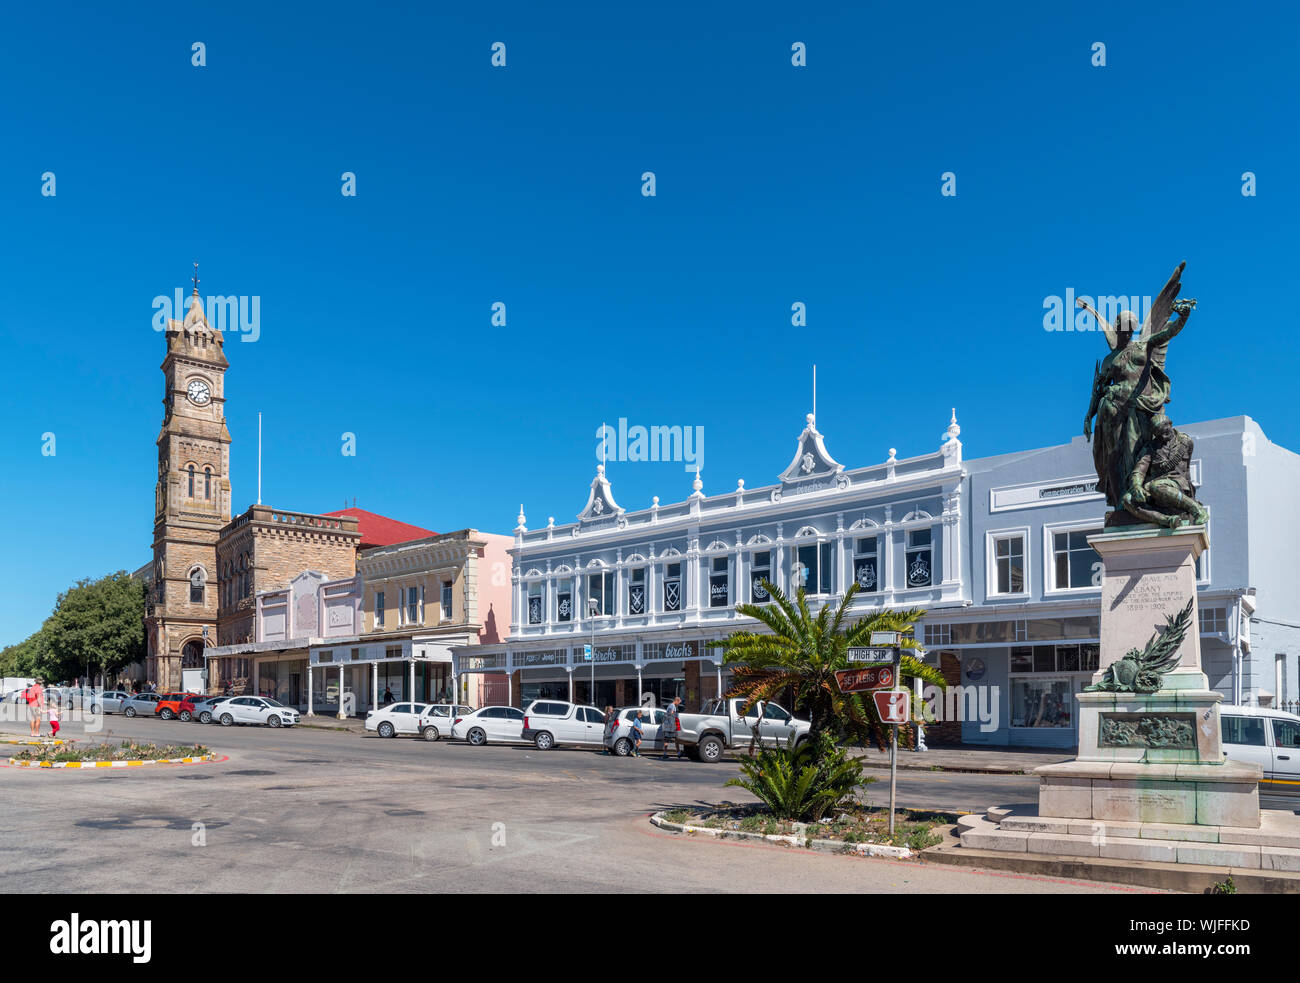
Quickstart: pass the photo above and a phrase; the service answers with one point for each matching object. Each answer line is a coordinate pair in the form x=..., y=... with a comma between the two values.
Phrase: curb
x=39, y=741
x=131, y=763
x=1189, y=878
x=959, y=769
x=792, y=839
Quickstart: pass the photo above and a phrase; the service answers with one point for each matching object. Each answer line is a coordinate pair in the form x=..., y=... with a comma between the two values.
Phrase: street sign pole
x=893, y=778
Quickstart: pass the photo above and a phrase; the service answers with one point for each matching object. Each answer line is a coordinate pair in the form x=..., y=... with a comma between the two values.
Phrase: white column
x=309, y=710
x=374, y=686
x=570, y=671
x=341, y=714
x=638, y=684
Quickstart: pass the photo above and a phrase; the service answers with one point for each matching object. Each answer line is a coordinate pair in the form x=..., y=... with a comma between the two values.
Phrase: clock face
x=198, y=392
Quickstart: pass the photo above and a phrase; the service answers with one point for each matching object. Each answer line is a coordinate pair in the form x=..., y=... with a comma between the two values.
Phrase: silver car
x=141, y=705
x=203, y=708
x=109, y=701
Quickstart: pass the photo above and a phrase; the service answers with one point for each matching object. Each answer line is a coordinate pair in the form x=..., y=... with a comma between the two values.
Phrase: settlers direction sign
x=862, y=680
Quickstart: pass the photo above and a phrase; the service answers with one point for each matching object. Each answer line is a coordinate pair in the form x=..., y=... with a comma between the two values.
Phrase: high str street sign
x=874, y=655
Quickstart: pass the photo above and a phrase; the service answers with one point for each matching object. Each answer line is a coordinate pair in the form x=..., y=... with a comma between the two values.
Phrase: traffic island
x=123, y=755
x=859, y=830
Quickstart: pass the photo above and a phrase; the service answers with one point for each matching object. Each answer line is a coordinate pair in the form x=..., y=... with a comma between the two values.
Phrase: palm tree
x=802, y=652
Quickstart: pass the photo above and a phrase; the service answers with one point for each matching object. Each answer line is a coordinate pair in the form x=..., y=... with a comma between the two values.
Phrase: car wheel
x=166, y=714
x=692, y=752
x=430, y=733
x=711, y=749
x=205, y=717
x=274, y=721
x=477, y=737
x=543, y=741
x=386, y=729
x=622, y=747
x=129, y=712
x=227, y=720
x=186, y=715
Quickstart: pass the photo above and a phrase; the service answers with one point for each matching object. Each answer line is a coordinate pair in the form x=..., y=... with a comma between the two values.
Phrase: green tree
x=25, y=658
x=801, y=653
x=97, y=626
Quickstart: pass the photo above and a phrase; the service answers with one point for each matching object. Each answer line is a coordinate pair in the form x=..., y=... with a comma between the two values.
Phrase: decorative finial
x=654, y=503
x=196, y=278
x=522, y=526
x=892, y=452
x=600, y=470
x=697, y=484
x=740, y=483
x=954, y=429
x=812, y=420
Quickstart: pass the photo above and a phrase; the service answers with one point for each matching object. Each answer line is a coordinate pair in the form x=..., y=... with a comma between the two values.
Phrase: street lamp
x=207, y=672
x=593, y=609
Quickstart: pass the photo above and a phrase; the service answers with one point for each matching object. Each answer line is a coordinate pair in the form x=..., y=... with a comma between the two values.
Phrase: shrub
x=803, y=783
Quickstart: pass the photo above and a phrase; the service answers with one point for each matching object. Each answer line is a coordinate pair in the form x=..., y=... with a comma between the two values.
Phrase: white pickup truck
x=719, y=726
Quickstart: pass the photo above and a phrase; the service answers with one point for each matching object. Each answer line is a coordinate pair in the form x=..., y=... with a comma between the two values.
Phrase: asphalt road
x=330, y=811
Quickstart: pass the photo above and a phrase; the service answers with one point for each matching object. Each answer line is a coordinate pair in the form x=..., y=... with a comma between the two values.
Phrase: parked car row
x=550, y=723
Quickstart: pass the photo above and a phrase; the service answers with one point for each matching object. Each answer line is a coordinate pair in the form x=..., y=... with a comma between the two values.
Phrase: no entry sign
x=892, y=706
x=861, y=680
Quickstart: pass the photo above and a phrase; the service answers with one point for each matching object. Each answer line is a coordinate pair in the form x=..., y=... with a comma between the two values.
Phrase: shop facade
x=993, y=549
x=651, y=591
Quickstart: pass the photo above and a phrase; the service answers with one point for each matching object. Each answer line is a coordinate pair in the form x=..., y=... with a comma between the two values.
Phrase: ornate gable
x=811, y=459
x=600, y=501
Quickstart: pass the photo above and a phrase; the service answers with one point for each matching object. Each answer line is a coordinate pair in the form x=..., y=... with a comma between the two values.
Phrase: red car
x=176, y=705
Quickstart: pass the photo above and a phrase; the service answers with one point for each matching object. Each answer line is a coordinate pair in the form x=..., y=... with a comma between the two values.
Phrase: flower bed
x=858, y=824
x=126, y=751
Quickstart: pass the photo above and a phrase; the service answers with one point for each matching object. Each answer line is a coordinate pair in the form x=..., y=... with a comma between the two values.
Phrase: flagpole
x=259, y=458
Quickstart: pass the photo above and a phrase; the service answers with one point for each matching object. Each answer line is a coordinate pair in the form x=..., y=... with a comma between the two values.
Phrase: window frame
x=638, y=577
x=608, y=592
x=991, y=539
x=825, y=565
x=564, y=591
x=909, y=549
x=1050, y=530
x=724, y=575
x=536, y=591
x=756, y=568
x=678, y=579
x=446, y=599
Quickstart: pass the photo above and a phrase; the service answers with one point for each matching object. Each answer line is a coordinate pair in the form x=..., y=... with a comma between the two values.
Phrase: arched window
x=197, y=582
x=191, y=481
x=207, y=483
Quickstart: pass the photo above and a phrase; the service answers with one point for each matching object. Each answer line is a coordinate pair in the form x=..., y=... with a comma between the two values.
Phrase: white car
x=495, y=724
x=1268, y=738
x=618, y=737
x=551, y=722
x=254, y=710
x=396, y=718
x=436, y=720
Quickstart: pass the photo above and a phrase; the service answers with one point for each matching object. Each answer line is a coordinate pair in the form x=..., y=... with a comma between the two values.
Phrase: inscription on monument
x=1153, y=592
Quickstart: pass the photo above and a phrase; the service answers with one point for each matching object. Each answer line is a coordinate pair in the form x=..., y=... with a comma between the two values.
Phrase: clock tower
x=191, y=499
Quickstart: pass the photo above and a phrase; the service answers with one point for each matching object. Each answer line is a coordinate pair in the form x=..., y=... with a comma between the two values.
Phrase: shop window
x=673, y=587
x=535, y=603
x=600, y=588
x=920, y=568
x=719, y=582
x=413, y=605
x=564, y=601
x=1075, y=564
x=866, y=564
x=379, y=609
x=760, y=569
x=1009, y=564
x=813, y=568
x=937, y=635
x=636, y=597
x=1039, y=702
x=446, y=600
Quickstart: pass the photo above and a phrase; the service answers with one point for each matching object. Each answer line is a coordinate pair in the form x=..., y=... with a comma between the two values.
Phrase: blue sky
x=522, y=184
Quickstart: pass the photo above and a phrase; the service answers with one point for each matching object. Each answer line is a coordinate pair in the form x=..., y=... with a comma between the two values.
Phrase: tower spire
x=196, y=278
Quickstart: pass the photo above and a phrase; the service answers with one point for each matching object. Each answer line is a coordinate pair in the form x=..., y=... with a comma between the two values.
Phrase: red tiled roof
x=379, y=530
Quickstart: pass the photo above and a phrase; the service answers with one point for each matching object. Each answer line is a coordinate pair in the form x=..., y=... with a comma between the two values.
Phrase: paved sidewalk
x=992, y=761
x=327, y=721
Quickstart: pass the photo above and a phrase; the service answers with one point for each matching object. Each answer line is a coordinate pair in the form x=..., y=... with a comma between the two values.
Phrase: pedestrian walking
x=388, y=695
x=611, y=721
x=35, y=697
x=54, y=718
x=637, y=730
x=671, y=729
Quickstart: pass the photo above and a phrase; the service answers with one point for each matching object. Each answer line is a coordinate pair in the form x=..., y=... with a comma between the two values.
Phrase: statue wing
x=1163, y=306
x=1161, y=653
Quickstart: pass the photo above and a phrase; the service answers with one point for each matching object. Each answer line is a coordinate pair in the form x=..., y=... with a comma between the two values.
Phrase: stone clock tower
x=191, y=500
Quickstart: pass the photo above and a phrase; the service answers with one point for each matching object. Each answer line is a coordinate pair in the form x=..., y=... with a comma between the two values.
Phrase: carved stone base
x=1186, y=794
x=1170, y=726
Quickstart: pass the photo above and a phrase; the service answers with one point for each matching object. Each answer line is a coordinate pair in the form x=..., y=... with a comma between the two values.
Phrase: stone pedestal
x=1151, y=757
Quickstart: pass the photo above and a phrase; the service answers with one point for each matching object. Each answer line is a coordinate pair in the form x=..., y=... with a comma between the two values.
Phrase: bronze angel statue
x=1142, y=462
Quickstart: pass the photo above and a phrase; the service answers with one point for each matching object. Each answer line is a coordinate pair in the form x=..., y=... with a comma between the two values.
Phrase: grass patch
x=125, y=751
x=858, y=823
